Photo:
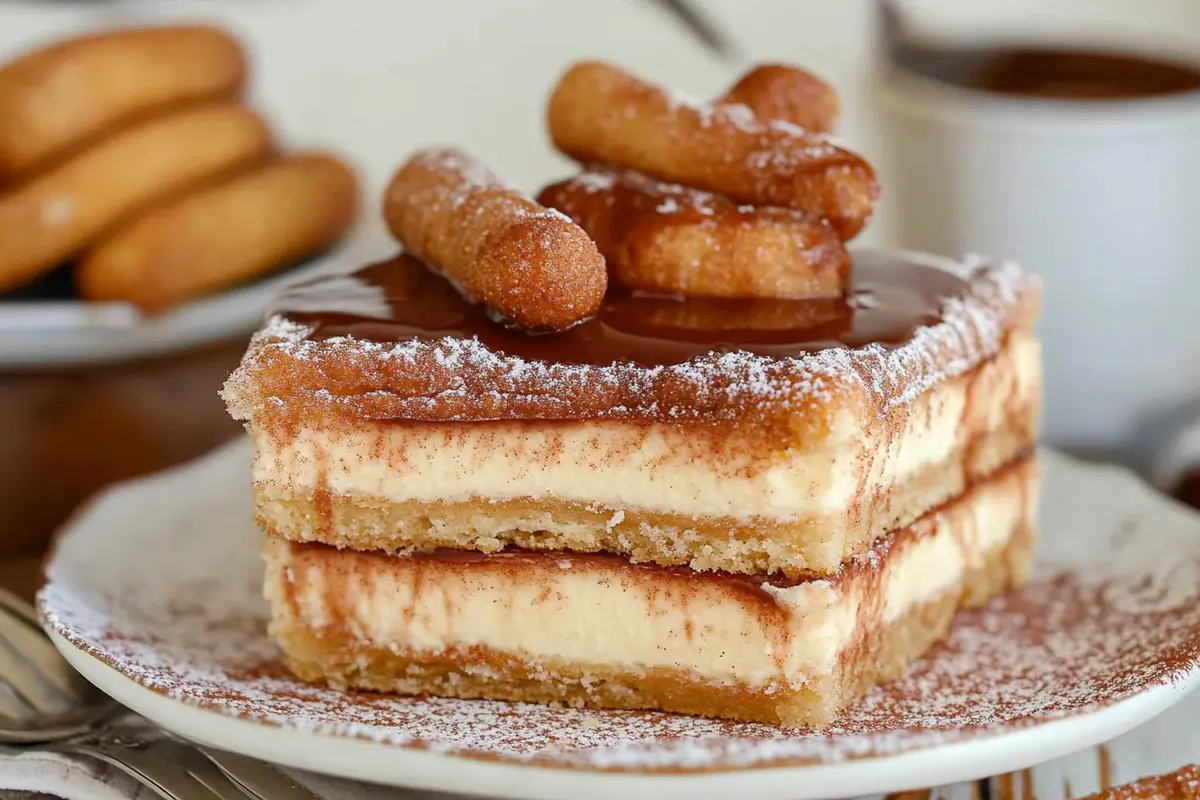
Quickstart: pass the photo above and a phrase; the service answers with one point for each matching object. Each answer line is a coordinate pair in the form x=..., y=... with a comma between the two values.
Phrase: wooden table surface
x=66, y=434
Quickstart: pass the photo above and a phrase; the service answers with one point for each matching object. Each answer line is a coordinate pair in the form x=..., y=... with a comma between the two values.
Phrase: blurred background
x=1097, y=194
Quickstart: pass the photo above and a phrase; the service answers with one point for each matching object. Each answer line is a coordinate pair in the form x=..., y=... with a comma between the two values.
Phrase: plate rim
x=88, y=334
x=982, y=753
x=978, y=756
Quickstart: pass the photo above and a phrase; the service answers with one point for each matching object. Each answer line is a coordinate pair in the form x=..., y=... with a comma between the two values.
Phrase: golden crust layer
x=481, y=673
x=333, y=655
x=287, y=380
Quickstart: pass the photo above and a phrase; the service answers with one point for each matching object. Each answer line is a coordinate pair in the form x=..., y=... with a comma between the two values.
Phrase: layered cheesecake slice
x=755, y=437
x=599, y=630
x=654, y=442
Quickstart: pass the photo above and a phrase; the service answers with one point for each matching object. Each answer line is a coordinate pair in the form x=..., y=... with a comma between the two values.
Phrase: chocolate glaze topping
x=396, y=300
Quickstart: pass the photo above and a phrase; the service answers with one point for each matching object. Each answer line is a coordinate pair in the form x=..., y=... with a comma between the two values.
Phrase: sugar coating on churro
x=600, y=114
x=668, y=238
x=786, y=93
x=532, y=265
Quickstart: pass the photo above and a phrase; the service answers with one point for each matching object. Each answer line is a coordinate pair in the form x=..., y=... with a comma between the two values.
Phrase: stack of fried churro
x=741, y=198
x=130, y=153
x=732, y=200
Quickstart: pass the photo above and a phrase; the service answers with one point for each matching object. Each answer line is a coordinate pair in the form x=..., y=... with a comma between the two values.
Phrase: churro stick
x=598, y=113
x=57, y=98
x=60, y=212
x=667, y=238
x=531, y=265
x=787, y=93
x=224, y=234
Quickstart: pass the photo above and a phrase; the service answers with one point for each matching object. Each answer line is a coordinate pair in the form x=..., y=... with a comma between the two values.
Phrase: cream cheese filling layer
x=660, y=468
x=607, y=612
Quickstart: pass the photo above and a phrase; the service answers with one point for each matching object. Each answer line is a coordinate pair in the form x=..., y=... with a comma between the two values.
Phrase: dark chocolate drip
x=400, y=299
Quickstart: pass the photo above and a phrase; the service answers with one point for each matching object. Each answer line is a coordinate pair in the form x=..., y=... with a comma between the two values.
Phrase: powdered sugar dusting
x=780, y=141
x=457, y=378
x=458, y=178
x=471, y=172
x=161, y=582
x=679, y=198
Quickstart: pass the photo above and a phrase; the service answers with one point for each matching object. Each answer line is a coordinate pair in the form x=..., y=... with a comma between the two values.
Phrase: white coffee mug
x=1102, y=199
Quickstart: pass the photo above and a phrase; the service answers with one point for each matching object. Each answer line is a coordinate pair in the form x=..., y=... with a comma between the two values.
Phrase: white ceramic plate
x=154, y=596
x=57, y=333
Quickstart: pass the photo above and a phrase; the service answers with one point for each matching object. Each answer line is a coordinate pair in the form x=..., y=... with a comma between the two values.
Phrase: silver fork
x=173, y=768
x=178, y=770
x=43, y=700
x=174, y=771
